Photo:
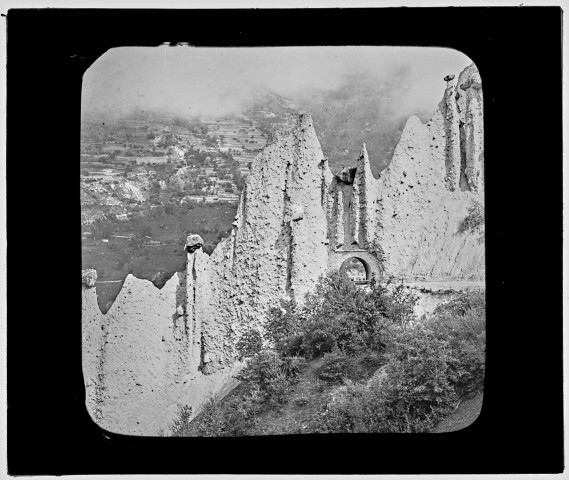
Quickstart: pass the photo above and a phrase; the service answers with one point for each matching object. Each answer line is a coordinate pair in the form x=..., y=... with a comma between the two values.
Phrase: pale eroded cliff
x=158, y=349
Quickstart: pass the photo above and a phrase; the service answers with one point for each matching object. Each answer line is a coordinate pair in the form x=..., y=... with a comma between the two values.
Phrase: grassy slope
x=311, y=395
x=307, y=397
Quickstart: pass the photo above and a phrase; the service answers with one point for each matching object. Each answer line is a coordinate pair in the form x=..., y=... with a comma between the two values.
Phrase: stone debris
x=193, y=242
x=89, y=277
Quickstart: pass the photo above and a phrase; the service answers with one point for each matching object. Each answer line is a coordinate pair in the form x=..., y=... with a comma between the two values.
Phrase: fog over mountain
x=208, y=82
x=355, y=94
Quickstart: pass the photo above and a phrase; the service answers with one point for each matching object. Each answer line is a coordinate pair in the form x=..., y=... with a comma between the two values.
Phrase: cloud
x=208, y=82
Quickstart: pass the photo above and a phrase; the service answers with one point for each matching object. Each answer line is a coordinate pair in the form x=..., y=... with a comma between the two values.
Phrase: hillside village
x=148, y=179
x=126, y=162
x=134, y=162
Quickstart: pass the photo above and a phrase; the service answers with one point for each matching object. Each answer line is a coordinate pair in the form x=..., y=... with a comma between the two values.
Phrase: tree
x=238, y=179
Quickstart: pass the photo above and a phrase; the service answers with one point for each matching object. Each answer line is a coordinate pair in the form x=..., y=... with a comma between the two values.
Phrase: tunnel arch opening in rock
x=356, y=269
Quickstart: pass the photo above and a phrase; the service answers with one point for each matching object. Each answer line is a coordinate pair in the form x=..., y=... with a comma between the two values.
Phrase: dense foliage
x=431, y=366
x=384, y=370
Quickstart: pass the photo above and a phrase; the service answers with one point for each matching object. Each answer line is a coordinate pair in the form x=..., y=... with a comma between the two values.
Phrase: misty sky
x=207, y=82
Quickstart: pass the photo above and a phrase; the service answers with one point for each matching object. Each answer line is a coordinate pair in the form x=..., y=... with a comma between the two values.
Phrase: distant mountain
x=269, y=111
x=361, y=110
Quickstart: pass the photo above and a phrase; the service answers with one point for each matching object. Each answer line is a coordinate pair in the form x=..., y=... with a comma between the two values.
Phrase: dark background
x=518, y=53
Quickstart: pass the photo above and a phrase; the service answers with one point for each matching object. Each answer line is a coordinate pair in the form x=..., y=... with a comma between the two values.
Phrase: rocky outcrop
x=471, y=107
x=418, y=217
x=158, y=349
x=277, y=249
x=155, y=350
x=462, y=111
x=410, y=217
x=193, y=243
x=112, y=195
x=139, y=359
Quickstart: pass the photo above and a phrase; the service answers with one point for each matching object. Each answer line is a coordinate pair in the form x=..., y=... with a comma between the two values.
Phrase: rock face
x=277, y=249
x=193, y=242
x=88, y=277
x=139, y=361
x=410, y=217
x=156, y=350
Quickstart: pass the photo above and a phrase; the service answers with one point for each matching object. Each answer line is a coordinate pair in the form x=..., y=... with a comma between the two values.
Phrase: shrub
x=318, y=341
x=357, y=409
x=232, y=417
x=283, y=331
x=415, y=393
x=466, y=337
x=430, y=366
x=182, y=421
x=250, y=343
x=340, y=314
x=337, y=366
x=473, y=299
x=271, y=377
x=292, y=366
x=418, y=387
